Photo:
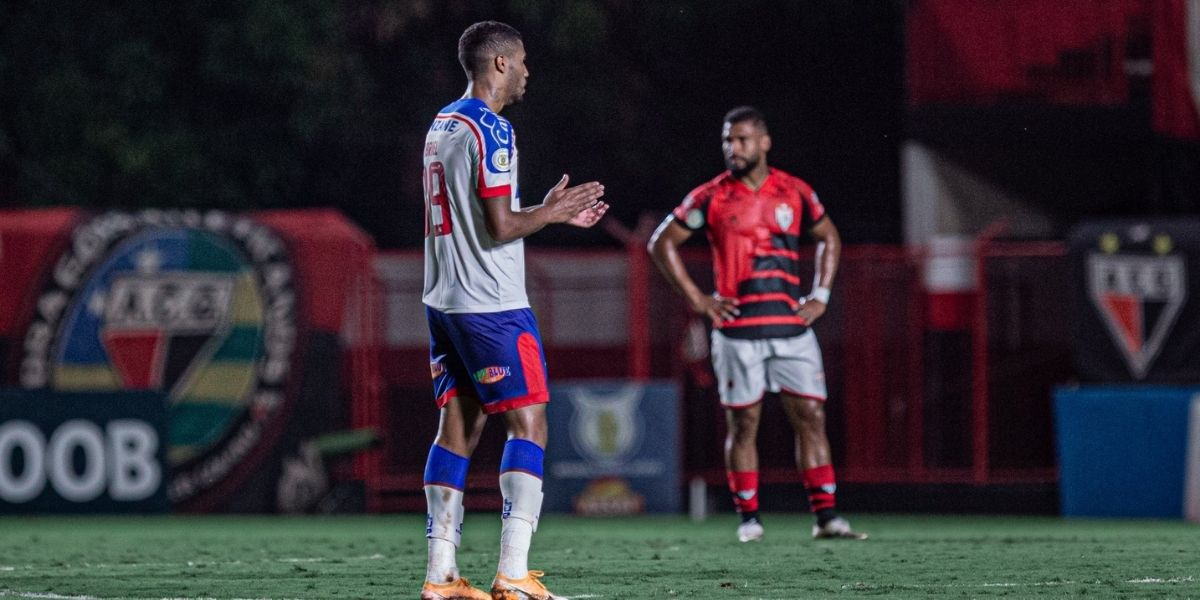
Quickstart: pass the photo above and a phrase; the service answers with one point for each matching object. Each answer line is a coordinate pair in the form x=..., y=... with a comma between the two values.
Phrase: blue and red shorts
x=494, y=357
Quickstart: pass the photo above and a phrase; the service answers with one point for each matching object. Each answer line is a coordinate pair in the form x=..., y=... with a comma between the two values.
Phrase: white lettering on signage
x=121, y=458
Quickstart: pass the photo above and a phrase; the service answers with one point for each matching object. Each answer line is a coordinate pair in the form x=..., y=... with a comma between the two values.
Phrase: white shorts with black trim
x=747, y=369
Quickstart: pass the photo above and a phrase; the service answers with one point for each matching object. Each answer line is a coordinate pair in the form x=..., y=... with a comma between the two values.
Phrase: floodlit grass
x=651, y=557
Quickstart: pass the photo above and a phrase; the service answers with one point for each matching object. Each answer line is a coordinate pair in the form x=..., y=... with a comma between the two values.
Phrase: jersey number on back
x=437, y=201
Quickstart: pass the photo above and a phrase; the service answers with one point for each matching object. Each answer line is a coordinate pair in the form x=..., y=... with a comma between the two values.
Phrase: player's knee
x=814, y=417
x=528, y=423
x=807, y=411
x=743, y=430
x=457, y=443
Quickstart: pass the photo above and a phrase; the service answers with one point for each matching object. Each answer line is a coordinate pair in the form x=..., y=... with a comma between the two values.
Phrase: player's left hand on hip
x=810, y=310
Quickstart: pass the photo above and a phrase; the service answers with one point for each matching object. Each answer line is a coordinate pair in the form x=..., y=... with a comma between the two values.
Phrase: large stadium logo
x=606, y=428
x=199, y=306
x=1140, y=298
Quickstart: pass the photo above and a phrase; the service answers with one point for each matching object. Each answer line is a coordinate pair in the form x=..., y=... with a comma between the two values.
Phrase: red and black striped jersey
x=755, y=238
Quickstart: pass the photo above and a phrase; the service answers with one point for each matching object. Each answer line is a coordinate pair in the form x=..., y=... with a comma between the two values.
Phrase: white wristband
x=820, y=294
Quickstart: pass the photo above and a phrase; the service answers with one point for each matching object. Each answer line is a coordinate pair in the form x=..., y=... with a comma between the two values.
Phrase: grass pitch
x=86, y=558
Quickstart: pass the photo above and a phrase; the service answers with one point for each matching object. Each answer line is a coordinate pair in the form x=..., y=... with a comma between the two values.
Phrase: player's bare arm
x=664, y=247
x=562, y=205
x=828, y=254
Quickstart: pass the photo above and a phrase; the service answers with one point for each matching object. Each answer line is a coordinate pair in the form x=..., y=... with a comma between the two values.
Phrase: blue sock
x=445, y=479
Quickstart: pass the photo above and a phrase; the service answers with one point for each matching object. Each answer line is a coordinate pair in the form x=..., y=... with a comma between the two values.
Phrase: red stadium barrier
x=908, y=403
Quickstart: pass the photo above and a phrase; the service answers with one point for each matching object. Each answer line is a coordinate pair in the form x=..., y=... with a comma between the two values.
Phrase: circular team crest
x=198, y=306
x=605, y=427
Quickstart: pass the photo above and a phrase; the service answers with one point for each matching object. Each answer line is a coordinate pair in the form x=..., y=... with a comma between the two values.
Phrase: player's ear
x=766, y=142
x=500, y=62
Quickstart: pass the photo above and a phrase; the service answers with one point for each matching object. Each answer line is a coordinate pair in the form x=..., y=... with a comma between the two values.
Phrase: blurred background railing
x=908, y=402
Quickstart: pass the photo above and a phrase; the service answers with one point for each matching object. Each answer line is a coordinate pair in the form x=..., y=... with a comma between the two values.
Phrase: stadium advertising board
x=615, y=448
x=1128, y=451
x=216, y=311
x=199, y=306
x=1137, y=300
x=64, y=452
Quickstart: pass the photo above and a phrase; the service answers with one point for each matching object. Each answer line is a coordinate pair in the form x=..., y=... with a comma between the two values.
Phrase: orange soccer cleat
x=459, y=589
x=526, y=588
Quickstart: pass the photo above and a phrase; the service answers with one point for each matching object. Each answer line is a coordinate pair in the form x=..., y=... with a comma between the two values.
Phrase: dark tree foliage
x=183, y=103
x=294, y=103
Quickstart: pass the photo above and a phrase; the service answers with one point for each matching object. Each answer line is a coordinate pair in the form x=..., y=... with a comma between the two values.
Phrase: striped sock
x=822, y=488
x=744, y=487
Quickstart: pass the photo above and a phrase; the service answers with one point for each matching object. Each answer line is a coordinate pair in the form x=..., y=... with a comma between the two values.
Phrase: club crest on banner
x=197, y=305
x=1140, y=297
x=606, y=427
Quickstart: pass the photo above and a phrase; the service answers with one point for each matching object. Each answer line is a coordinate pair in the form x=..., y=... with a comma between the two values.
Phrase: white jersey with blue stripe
x=470, y=158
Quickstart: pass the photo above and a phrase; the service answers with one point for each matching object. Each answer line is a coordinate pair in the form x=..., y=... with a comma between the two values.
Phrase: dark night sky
x=636, y=102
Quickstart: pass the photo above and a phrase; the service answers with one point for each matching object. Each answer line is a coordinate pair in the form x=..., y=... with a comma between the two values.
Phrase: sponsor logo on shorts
x=492, y=374
x=746, y=494
x=829, y=488
x=436, y=369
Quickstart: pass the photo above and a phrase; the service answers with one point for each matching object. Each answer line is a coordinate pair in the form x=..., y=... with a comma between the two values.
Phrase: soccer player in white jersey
x=485, y=353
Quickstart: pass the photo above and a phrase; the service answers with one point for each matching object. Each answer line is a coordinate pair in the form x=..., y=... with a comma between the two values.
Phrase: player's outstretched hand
x=717, y=308
x=564, y=203
x=810, y=310
x=589, y=216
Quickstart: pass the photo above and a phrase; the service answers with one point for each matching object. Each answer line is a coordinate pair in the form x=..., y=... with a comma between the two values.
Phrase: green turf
x=650, y=557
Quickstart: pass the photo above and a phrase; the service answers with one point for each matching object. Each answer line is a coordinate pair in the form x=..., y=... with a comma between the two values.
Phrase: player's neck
x=755, y=177
x=491, y=95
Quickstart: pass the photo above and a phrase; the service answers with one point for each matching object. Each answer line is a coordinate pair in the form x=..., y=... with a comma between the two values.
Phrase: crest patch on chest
x=784, y=215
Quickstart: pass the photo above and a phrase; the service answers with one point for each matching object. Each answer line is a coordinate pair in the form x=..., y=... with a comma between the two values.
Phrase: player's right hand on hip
x=716, y=307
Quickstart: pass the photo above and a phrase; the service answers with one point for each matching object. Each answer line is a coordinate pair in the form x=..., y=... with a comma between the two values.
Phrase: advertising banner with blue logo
x=1129, y=451
x=82, y=452
x=614, y=448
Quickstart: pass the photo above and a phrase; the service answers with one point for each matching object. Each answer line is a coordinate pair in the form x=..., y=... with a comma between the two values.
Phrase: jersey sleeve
x=814, y=211
x=496, y=153
x=693, y=211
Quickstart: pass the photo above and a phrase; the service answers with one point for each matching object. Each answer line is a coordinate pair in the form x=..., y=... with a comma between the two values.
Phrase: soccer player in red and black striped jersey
x=754, y=216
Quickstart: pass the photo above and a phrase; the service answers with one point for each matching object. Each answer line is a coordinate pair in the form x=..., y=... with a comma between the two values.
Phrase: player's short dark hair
x=482, y=41
x=747, y=113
